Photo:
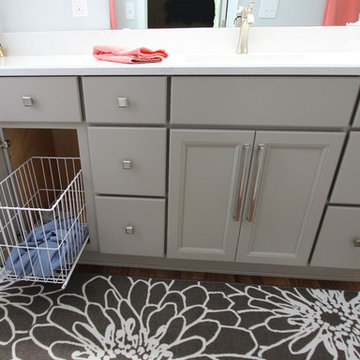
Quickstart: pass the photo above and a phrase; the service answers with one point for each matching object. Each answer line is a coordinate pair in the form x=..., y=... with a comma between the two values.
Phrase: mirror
x=59, y=15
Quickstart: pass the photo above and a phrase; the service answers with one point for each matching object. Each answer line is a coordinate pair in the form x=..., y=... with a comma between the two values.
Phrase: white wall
x=56, y=15
x=51, y=15
x=289, y=12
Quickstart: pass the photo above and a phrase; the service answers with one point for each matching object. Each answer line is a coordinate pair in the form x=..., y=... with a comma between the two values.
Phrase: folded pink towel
x=126, y=56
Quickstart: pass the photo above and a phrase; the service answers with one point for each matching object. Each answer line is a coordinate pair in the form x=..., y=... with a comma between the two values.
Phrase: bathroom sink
x=254, y=58
x=273, y=59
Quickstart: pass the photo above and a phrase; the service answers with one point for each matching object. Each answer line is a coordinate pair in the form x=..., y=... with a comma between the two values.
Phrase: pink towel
x=340, y=12
x=126, y=56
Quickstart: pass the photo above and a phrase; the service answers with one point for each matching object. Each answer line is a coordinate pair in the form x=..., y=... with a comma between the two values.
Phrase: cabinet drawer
x=34, y=99
x=125, y=100
x=131, y=226
x=263, y=100
x=336, y=244
x=128, y=161
x=346, y=190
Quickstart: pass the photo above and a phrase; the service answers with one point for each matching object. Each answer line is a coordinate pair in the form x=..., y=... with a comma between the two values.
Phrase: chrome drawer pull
x=244, y=163
x=127, y=164
x=357, y=242
x=260, y=156
x=129, y=230
x=27, y=101
x=123, y=102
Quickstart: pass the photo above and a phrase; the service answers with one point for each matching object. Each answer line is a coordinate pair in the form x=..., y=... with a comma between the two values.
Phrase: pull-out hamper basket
x=43, y=228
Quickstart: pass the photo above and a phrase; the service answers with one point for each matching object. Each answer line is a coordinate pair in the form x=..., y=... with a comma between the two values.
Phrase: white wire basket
x=43, y=228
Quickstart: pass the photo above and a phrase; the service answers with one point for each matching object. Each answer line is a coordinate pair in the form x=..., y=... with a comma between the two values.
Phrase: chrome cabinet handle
x=357, y=242
x=241, y=188
x=27, y=101
x=129, y=230
x=127, y=164
x=123, y=102
x=260, y=155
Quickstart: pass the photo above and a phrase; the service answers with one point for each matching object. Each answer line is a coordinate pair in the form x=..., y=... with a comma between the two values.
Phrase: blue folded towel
x=41, y=261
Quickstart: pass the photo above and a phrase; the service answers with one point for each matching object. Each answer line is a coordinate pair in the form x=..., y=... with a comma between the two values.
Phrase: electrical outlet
x=79, y=7
x=268, y=9
x=130, y=10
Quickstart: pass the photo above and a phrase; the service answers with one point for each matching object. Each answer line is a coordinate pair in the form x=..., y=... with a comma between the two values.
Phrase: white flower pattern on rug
x=20, y=305
x=113, y=317
x=307, y=319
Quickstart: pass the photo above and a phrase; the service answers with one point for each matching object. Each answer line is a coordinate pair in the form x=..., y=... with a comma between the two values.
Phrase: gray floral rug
x=115, y=317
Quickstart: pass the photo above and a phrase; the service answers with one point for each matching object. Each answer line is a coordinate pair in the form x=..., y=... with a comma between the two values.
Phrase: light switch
x=268, y=9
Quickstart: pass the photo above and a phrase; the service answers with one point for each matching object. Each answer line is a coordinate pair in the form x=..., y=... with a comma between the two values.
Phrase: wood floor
x=259, y=280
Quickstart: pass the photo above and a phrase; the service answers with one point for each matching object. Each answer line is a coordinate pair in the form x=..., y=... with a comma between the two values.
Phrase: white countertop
x=189, y=64
x=292, y=51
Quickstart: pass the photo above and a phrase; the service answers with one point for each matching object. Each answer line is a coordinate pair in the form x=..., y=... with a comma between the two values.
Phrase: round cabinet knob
x=129, y=230
x=127, y=164
x=27, y=101
x=357, y=242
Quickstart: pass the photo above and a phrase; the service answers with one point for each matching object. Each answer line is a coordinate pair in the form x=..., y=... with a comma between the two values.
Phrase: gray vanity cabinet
x=289, y=182
x=207, y=168
x=287, y=186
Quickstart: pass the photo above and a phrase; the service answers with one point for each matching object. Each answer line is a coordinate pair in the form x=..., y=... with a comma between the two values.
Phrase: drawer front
x=264, y=100
x=128, y=161
x=336, y=244
x=40, y=99
x=131, y=226
x=346, y=190
x=125, y=100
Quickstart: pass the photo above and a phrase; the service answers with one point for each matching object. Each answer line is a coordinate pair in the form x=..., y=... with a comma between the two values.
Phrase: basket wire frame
x=43, y=226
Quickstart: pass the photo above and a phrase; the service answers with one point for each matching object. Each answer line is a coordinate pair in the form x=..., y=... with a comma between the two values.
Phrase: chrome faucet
x=2, y=51
x=244, y=18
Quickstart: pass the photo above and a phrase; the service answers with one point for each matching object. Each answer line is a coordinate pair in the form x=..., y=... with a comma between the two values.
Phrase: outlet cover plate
x=268, y=9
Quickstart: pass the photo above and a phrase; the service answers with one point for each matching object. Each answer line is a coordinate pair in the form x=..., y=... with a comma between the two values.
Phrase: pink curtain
x=113, y=15
x=340, y=12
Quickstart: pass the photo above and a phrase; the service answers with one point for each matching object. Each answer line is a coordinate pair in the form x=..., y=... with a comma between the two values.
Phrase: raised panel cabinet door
x=207, y=176
x=290, y=177
x=346, y=190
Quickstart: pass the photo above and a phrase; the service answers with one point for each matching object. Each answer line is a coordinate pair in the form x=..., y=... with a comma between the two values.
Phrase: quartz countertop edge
x=322, y=63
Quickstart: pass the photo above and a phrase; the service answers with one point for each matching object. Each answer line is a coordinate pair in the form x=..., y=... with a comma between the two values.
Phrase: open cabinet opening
x=43, y=225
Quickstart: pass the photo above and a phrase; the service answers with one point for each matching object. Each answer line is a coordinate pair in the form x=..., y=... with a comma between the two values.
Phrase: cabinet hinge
x=5, y=144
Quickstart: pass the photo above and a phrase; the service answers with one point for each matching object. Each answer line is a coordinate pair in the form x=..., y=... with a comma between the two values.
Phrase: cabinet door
x=207, y=170
x=291, y=174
